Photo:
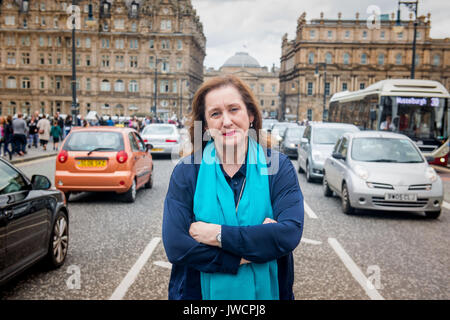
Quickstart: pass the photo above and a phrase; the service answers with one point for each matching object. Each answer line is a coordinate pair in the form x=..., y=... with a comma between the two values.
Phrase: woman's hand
x=268, y=220
x=205, y=233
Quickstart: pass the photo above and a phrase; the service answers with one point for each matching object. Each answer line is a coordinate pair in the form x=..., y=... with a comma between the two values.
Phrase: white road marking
x=27, y=163
x=163, y=264
x=309, y=211
x=446, y=205
x=310, y=241
x=131, y=276
x=354, y=270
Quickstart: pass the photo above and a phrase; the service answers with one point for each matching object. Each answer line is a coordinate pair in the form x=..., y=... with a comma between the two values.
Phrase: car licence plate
x=400, y=197
x=157, y=150
x=91, y=163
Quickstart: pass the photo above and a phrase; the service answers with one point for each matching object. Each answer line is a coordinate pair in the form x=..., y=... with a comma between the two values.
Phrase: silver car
x=164, y=137
x=382, y=171
x=316, y=145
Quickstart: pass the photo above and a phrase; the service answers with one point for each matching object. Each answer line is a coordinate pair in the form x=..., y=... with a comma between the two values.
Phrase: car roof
x=103, y=128
x=331, y=125
x=376, y=134
x=161, y=125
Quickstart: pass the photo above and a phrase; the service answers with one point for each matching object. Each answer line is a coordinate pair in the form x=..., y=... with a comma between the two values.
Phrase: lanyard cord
x=240, y=195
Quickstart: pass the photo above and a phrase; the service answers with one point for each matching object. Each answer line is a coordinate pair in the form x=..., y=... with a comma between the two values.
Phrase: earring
x=251, y=124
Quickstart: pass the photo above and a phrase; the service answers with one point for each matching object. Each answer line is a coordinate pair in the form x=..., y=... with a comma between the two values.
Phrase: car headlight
x=431, y=174
x=292, y=145
x=362, y=172
x=317, y=155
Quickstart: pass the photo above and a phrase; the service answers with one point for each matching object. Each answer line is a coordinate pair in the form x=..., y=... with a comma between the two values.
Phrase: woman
x=67, y=125
x=231, y=221
x=44, y=127
x=7, y=136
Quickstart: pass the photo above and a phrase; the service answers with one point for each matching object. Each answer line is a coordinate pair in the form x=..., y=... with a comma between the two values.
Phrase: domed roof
x=243, y=60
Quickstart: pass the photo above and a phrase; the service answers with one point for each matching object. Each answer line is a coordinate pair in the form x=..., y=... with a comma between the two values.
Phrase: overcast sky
x=257, y=26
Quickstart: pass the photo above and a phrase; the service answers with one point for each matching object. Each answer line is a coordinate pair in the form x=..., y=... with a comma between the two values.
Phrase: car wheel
x=327, y=192
x=308, y=173
x=59, y=241
x=149, y=183
x=130, y=195
x=433, y=214
x=346, y=206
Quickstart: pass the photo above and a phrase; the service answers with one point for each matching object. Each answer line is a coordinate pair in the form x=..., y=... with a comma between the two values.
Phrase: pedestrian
x=20, y=132
x=67, y=125
x=233, y=212
x=33, y=132
x=60, y=122
x=110, y=122
x=44, y=127
x=56, y=134
x=4, y=135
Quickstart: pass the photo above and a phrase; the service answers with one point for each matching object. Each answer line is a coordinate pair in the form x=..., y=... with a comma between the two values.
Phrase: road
x=115, y=250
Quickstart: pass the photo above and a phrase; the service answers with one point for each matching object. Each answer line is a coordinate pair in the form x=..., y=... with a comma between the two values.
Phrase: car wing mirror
x=40, y=182
x=149, y=146
x=338, y=156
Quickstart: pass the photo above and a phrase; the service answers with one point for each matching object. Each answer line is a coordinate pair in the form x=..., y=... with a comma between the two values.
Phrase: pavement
x=32, y=154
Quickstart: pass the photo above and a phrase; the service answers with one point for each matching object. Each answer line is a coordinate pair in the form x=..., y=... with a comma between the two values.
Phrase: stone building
x=264, y=83
x=118, y=48
x=356, y=53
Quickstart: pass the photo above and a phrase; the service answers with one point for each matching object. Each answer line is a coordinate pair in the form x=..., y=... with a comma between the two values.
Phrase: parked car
x=165, y=138
x=34, y=222
x=316, y=145
x=382, y=171
x=267, y=124
x=104, y=159
x=292, y=137
x=278, y=131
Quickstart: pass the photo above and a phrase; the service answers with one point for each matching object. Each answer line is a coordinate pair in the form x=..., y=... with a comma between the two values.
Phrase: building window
x=133, y=27
x=11, y=58
x=174, y=86
x=272, y=103
x=164, y=86
x=344, y=86
x=362, y=85
x=10, y=41
x=119, y=86
x=274, y=88
x=347, y=34
x=88, y=43
x=165, y=66
x=105, y=85
x=105, y=61
x=262, y=87
x=382, y=35
x=312, y=34
x=133, y=86
x=310, y=88
x=25, y=40
x=134, y=44
x=152, y=44
x=417, y=60
x=398, y=59
x=166, y=25
x=88, y=84
x=400, y=35
x=179, y=64
x=11, y=83
x=119, y=24
x=328, y=58
x=41, y=58
x=25, y=58
x=436, y=60
x=346, y=58
x=151, y=62
x=26, y=83
x=364, y=58
x=88, y=60
x=179, y=44
x=381, y=59
x=105, y=43
x=120, y=62
x=418, y=35
x=119, y=43
x=364, y=34
x=309, y=114
x=133, y=61
x=330, y=34
x=10, y=20
x=41, y=42
x=311, y=58
x=59, y=59
x=165, y=44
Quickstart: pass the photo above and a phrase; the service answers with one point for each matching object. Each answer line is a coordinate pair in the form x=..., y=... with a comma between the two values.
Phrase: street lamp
x=155, y=106
x=298, y=97
x=316, y=73
x=74, y=108
x=412, y=6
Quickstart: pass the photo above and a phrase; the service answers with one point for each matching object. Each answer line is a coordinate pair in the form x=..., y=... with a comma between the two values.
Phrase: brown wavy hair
x=253, y=108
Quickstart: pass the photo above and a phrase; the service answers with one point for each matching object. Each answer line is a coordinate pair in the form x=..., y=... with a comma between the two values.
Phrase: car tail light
x=145, y=140
x=122, y=156
x=171, y=140
x=62, y=156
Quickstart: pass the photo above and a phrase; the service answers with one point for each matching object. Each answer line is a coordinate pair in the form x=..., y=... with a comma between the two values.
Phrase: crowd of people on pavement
x=19, y=134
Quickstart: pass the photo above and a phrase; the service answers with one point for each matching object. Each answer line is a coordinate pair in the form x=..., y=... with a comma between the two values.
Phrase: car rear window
x=158, y=130
x=90, y=140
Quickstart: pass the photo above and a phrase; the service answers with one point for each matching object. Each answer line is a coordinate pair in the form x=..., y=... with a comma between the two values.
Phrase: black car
x=291, y=140
x=34, y=222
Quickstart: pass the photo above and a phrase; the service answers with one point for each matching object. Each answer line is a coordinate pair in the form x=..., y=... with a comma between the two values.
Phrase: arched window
x=436, y=60
x=105, y=85
x=311, y=58
x=133, y=86
x=398, y=59
x=328, y=58
x=346, y=58
x=119, y=86
x=11, y=83
x=364, y=58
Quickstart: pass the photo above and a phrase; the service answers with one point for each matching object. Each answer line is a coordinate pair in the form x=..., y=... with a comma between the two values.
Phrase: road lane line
x=354, y=270
x=446, y=205
x=131, y=276
x=310, y=241
x=308, y=211
x=163, y=264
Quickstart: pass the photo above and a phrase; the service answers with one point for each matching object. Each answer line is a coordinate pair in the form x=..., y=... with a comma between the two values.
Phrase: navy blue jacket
x=260, y=243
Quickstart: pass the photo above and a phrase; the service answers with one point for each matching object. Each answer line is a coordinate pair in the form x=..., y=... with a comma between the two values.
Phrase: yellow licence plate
x=157, y=150
x=91, y=163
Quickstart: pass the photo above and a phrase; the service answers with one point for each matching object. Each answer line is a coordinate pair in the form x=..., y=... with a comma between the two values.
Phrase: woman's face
x=226, y=116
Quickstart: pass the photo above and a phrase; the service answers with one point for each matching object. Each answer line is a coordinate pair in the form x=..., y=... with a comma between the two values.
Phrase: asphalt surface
x=114, y=249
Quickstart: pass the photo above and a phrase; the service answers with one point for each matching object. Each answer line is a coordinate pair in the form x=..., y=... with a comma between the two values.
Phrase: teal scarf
x=214, y=203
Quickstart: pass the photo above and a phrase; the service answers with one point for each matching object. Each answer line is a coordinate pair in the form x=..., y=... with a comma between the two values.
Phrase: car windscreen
x=328, y=135
x=94, y=140
x=158, y=130
x=385, y=150
x=295, y=133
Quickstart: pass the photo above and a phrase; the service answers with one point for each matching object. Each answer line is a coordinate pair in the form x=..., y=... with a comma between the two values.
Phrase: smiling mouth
x=229, y=133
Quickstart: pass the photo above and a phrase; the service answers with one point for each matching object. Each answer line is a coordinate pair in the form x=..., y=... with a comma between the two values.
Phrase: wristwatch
x=219, y=239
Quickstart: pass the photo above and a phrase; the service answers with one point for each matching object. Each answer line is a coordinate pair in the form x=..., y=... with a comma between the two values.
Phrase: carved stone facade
x=264, y=83
x=116, y=56
x=356, y=55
